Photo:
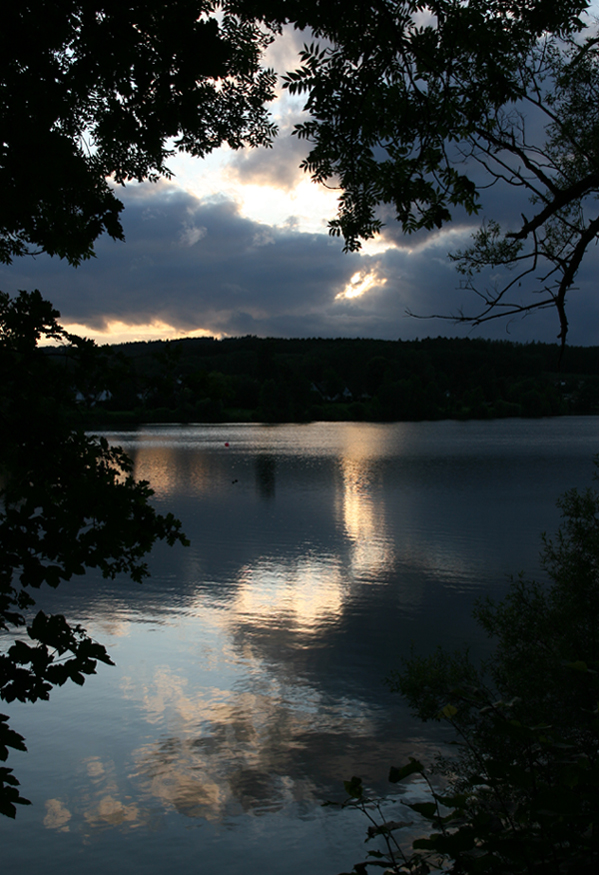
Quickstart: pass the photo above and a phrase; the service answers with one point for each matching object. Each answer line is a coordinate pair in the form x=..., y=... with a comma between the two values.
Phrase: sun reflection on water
x=364, y=518
x=168, y=470
x=300, y=595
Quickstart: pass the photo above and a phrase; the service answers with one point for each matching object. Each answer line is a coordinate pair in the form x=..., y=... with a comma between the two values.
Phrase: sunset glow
x=121, y=332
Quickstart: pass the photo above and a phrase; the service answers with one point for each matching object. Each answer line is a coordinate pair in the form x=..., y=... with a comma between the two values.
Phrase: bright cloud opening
x=307, y=205
x=360, y=283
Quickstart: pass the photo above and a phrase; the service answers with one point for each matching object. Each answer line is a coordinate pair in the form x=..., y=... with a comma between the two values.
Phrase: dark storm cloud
x=200, y=264
x=432, y=276
x=193, y=264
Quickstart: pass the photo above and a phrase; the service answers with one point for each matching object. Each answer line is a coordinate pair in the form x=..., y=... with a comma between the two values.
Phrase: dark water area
x=250, y=676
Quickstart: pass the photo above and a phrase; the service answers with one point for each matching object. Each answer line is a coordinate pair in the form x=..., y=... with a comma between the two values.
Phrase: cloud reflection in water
x=252, y=664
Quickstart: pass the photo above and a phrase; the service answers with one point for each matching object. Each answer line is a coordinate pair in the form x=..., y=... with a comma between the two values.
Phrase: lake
x=250, y=676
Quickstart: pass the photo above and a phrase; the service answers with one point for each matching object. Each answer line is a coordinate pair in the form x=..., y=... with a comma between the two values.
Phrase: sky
x=237, y=244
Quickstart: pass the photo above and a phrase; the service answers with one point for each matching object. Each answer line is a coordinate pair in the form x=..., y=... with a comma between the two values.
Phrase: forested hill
x=248, y=378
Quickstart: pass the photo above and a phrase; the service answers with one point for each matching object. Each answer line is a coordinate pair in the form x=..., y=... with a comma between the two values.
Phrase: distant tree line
x=297, y=380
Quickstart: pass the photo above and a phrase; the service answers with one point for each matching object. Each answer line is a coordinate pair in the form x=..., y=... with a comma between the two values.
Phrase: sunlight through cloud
x=360, y=283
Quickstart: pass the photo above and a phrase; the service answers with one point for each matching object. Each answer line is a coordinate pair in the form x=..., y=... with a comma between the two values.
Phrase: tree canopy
x=92, y=90
x=417, y=108
x=414, y=110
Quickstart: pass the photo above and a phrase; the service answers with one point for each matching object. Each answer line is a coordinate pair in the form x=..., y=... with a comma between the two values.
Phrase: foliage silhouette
x=416, y=108
x=91, y=89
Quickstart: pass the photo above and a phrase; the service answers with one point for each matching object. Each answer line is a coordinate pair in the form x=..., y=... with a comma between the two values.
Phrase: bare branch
x=570, y=272
x=563, y=198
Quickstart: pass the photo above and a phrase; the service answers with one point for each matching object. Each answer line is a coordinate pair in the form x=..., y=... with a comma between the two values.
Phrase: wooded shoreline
x=250, y=379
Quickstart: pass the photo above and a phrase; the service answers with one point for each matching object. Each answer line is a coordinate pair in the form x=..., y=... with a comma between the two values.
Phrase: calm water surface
x=250, y=668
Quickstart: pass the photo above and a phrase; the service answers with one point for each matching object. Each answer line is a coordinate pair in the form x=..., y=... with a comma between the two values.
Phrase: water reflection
x=364, y=515
x=257, y=749
x=104, y=803
x=250, y=668
x=57, y=816
x=265, y=475
x=299, y=596
x=170, y=470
